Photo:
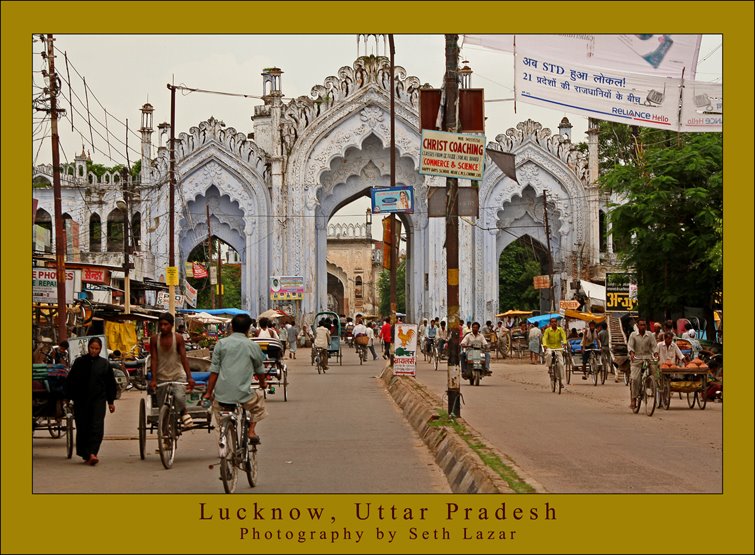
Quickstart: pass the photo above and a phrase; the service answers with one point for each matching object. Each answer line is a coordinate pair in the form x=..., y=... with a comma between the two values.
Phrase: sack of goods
x=362, y=340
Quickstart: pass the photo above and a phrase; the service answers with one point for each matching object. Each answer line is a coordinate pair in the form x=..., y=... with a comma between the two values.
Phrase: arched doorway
x=518, y=263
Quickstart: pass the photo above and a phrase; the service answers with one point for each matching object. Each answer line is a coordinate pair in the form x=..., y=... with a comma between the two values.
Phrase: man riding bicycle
x=589, y=341
x=322, y=341
x=169, y=364
x=642, y=346
x=235, y=359
x=554, y=337
x=431, y=332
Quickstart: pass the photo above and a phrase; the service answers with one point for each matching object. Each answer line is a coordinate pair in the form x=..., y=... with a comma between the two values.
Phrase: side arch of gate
x=504, y=217
x=240, y=210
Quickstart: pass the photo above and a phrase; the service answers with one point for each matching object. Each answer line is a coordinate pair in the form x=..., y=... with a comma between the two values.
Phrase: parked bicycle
x=234, y=448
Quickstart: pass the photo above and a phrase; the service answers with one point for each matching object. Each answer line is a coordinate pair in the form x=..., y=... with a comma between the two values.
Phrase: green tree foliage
x=230, y=276
x=672, y=221
x=384, y=289
x=516, y=268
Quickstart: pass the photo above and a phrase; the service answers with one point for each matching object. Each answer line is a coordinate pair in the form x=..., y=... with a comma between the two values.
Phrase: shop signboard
x=621, y=292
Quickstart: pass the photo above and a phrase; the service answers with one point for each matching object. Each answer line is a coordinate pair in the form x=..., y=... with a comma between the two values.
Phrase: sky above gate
x=123, y=72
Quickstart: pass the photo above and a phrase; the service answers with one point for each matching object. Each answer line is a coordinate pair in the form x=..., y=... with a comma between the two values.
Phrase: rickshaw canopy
x=514, y=313
x=585, y=316
x=544, y=318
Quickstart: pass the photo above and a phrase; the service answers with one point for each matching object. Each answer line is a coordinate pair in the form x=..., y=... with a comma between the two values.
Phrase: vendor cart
x=691, y=380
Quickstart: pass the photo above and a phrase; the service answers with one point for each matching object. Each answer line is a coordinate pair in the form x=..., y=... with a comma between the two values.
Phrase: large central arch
x=339, y=157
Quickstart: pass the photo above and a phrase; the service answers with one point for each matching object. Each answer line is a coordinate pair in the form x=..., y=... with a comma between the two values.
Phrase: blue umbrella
x=543, y=318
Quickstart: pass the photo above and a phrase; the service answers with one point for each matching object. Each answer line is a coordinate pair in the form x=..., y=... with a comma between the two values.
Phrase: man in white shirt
x=265, y=329
x=668, y=351
x=322, y=341
x=371, y=344
x=475, y=340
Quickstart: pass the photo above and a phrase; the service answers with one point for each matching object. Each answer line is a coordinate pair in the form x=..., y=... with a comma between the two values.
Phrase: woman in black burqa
x=91, y=385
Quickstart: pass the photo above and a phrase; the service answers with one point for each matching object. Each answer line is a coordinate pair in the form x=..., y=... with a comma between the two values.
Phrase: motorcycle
x=474, y=366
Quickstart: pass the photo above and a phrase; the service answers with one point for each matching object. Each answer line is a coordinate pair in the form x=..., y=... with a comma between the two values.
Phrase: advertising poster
x=459, y=155
x=702, y=107
x=308, y=498
x=392, y=199
x=286, y=288
x=405, y=349
x=633, y=99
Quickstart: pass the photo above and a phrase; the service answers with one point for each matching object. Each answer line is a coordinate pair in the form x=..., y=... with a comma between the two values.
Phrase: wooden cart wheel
x=702, y=398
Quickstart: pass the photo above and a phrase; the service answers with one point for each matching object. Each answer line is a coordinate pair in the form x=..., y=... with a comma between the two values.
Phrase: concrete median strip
x=470, y=464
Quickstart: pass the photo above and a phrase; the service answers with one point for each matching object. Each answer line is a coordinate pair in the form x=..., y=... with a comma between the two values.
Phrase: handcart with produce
x=690, y=379
x=277, y=371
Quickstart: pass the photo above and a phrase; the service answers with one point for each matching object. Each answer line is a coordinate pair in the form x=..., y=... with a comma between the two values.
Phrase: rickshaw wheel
x=142, y=428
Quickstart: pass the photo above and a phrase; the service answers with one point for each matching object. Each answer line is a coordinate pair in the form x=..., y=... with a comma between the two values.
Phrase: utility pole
x=172, y=207
x=60, y=243
x=394, y=239
x=550, y=253
x=451, y=87
x=125, y=205
x=220, y=281
x=209, y=257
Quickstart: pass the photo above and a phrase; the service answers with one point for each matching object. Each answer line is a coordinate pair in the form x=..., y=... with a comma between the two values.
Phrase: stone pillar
x=592, y=239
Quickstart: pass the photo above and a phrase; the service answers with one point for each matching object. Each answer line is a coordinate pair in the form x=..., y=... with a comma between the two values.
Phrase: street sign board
x=621, y=292
x=44, y=285
x=541, y=282
x=568, y=305
x=467, y=202
x=458, y=155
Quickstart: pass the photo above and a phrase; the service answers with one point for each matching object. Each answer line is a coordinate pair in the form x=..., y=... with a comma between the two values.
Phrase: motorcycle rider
x=475, y=340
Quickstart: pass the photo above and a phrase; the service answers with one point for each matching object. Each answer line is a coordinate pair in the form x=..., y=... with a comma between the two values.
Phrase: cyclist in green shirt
x=554, y=337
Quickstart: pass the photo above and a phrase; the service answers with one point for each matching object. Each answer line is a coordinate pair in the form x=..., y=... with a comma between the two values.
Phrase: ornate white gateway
x=271, y=195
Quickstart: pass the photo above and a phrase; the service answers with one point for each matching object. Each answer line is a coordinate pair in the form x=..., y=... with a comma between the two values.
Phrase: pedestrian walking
x=534, y=339
x=385, y=335
x=91, y=386
x=283, y=338
x=292, y=332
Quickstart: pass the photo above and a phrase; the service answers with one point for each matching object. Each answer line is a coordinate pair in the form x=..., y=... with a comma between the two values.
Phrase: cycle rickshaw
x=49, y=411
x=334, y=349
x=277, y=371
x=164, y=420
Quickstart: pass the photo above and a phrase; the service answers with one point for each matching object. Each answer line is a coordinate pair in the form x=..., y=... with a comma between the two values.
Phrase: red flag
x=199, y=270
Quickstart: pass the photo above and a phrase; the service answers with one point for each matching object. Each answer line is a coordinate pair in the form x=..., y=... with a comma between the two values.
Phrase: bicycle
x=234, y=448
x=361, y=353
x=648, y=390
x=168, y=425
x=438, y=355
x=595, y=368
x=554, y=369
x=429, y=349
x=319, y=356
